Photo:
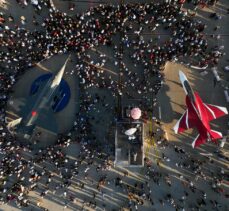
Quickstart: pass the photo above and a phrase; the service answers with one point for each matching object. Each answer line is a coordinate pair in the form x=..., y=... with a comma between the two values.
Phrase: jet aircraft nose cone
x=182, y=76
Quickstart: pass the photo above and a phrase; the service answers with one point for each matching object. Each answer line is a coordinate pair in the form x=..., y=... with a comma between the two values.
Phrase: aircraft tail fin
x=215, y=134
x=198, y=141
x=14, y=123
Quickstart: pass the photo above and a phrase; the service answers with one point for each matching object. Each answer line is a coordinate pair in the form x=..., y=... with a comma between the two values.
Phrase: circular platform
x=61, y=96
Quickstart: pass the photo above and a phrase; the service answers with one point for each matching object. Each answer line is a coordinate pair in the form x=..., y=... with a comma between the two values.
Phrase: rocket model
x=198, y=114
x=43, y=101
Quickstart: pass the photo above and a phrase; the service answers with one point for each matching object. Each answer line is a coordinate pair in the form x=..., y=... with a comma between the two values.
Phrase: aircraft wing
x=214, y=111
x=47, y=120
x=184, y=123
x=14, y=123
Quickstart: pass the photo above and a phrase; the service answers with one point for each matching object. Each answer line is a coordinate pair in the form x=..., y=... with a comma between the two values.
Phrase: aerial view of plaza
x=114, y=105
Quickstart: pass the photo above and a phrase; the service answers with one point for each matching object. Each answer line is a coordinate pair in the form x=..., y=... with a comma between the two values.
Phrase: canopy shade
x=135, y=113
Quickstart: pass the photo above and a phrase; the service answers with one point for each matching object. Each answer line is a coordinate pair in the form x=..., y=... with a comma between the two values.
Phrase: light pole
x=120, y=64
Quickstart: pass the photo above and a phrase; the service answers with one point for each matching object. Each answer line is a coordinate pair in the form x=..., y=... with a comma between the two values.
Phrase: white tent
x=130, y=131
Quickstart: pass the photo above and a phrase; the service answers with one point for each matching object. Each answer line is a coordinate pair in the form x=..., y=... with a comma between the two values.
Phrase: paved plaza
x=75, y=169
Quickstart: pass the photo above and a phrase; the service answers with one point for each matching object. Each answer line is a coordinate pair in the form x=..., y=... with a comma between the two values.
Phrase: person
x=71, y=6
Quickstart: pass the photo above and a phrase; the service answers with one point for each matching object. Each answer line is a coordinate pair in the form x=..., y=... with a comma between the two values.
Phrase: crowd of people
x=50, y=170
